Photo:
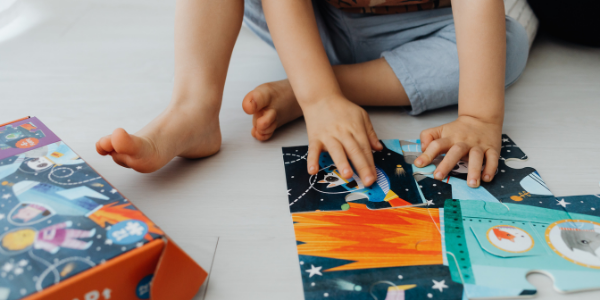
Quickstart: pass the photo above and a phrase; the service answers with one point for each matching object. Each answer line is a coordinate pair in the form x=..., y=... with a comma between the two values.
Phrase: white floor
x=87, y=67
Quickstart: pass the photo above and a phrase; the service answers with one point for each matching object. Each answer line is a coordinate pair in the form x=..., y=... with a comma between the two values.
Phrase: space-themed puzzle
x=410, y=236
x=66, y=233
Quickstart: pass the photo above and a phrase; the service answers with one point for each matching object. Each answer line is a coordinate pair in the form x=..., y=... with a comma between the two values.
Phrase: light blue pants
x=419, y=46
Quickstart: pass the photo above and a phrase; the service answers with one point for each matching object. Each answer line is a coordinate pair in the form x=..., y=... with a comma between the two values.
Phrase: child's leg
x=205, y=33
x=370, y=83
x=422, y=73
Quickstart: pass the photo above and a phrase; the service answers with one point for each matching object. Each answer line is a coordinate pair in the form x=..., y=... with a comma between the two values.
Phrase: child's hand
x=467, y=137
x=343, y=129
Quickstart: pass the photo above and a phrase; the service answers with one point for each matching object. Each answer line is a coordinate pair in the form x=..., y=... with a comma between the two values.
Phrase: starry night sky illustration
x=357, y=284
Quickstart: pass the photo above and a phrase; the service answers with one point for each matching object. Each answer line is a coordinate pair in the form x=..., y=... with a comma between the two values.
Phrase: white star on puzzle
x=314, y=271
x=5, y=196
x=440, y=285
x=562, y=203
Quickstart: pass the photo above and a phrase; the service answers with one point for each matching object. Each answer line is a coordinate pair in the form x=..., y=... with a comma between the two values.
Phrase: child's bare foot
x=272, y=105
x=187, y=132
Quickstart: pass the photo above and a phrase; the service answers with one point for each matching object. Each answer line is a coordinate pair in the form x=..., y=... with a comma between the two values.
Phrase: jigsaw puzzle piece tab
x=510, y=151
x=523, y=239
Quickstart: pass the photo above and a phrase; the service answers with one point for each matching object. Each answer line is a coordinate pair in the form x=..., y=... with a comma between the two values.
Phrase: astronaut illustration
x=57, y=154
x=27, y=212
x=66, y=202
x=50, y=239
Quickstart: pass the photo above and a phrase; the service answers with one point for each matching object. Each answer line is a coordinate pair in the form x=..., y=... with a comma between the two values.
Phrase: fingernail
x=473, y=183
x=368, y=179
x=347, y=172
x=418, y=162
x=486, y=177
x=379, y=144
x=311, y=169
x=438, y=176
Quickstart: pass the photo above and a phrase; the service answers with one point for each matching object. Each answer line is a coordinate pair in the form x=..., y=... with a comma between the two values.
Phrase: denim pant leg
x=429, y=72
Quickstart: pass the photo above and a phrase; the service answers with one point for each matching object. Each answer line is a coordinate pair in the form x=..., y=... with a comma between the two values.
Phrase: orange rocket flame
x=371, y=238
x=113, y=214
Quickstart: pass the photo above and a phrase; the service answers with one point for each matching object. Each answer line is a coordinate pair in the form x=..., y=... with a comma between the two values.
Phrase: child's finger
x=475, y=166
x=362, y=164
x=452, y=157
x=312, y=160
x=372, y=136
x=365, y=146
x=435, y=148
x=427, y=136
x=336, y=151
x=491, y=164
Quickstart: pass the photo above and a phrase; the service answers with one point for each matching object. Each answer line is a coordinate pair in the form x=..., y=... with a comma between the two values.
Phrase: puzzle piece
x=373, y=254
x=394, y=187
x=508, y=186
x=491, y=247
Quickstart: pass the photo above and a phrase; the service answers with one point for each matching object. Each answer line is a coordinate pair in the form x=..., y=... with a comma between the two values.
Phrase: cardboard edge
x=8, y=123
x=177, y=275
x=94, y=278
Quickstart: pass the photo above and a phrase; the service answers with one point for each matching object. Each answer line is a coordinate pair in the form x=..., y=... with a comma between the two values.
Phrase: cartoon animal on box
x=50, y=238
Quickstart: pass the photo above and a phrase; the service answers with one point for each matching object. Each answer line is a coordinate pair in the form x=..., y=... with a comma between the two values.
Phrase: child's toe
x=266, y=121
x=125, y=143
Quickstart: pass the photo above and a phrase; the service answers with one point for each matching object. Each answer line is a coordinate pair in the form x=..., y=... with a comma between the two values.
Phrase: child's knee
x=517, y=50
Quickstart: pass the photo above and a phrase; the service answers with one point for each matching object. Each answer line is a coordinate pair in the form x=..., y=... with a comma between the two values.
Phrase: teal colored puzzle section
x=456, y=245
x=507, y=238
x=554, y=247
x=393, y=145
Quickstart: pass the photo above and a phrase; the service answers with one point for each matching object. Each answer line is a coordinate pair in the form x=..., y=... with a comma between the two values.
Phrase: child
x=390, y=53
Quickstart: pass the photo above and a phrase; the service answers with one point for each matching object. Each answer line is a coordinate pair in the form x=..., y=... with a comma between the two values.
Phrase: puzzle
x=491, y=247
x=402, y=238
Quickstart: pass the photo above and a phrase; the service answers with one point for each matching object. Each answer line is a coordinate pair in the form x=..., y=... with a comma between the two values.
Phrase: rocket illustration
x=503, y=235
x=68, y=202
x=378, y=192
